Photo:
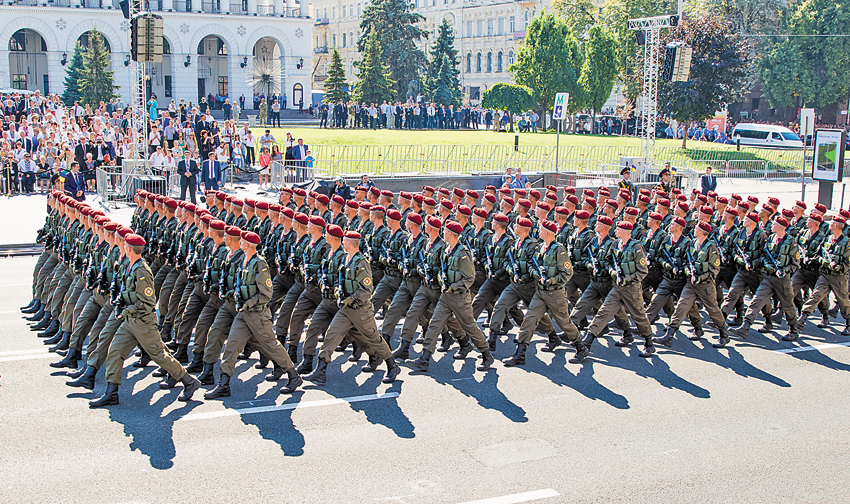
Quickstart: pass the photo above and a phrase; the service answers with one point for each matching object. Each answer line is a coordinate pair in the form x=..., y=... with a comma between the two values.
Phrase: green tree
x=578, y=14
x=336, y=87
x=718, y=73
x=814, y=69
x=549, y=61
x=443, y=78
x=599, y=69
x=375, y=82
x=510, y=97
x=395, y=26
x=96, y=84
x=73, y=75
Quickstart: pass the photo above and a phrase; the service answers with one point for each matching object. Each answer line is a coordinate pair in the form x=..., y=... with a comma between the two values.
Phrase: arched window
x=489, y=62
x=478, y=63
x=510, y=58
x=334, y=39
x=343, y=12
x=499, y=62
x=526, y=19
x=166, y=46
x=468, y=62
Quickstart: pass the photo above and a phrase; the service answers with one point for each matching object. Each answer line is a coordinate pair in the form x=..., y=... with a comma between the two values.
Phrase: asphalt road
x=694, y=424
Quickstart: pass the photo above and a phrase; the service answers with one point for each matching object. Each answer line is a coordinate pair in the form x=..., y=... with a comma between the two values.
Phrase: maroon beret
x=489, y=197
x=207, y=218
x=275, y=207
x=299, y=192
x=289, y=213
x=643, y=198
x=377, y=208
x=744, y=205
x=552, y=196
x=702, y=198
x=111, y=226
x=680, y=221
x=418, y=198
x=787, y=213
x=522, y=221
x=394, y=214
x=444, y=191
x=505, y=191
x=460, y=193
x=286, y=190
x=534, y=193
x=520, y=192
x=773, y=200
x=582, y=214
x=664, y=202
x=352, y=204
x=655, y=216
x=323, y=199
x=427, y=188
x=365, y=205
x=543, y=206
x=816, y=217
x=434, y=221
x=500, y=217
x=705, y=226
x=429, y=201
x=233, y=231
x=446, y=204
x=572, y=199
x=473, y=193
x=508, y=200
x=844, y=213
x=170, y=203
x=334, y=230
x=820, y=207
x=683, y=206
x=604, y=219
x=551, y=226
x=353, y=235
x=732, y=211
x=613, y=204
x=237, y=202
x=123, y=231
x=723, y=199
x=753, y=216
x=251, y=237
x=632, y=211
x=317, y=221
x=839, y=219
x=135, y=240
x=625, y=225
x=736, y=197
x=707, y=210
x=374, y=190
x=339, y=200
x=570, y=190
x=753, y=200
x=360, y=188
x=404, y=195
x=217, y=224
x=560, y=210
x=302, y=218
x=800, y=204
x=590, y=201
x=250, y=202
x=454, y=227
x=782, y=221
x=263, y=205
x=465, y=210
x=480, y=212
x=415, y=218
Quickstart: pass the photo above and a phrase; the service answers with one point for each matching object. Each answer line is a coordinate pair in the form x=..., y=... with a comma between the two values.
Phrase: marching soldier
x=835, y=266
x=414, y=244
x=809, y=244
x=310, y=298
x=747, y=250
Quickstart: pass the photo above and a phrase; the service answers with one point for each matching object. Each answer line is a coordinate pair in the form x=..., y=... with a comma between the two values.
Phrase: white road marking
x=22, y=352
x=812, y=347
x=289, y=406
x=16, y=285
x=27, y=357
x=517, y=498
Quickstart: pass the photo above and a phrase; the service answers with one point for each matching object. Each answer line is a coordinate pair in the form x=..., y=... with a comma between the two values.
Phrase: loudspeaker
x=669, y=63
x=125, y=8
x=640, y=37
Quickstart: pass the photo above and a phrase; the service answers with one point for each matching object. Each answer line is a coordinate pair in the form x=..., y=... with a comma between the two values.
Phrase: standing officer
x=782, y=258
x=628, y=267
x=355, y=317
x=136, y=308
x=626, y=183
x=254, y=321
x=457, y=273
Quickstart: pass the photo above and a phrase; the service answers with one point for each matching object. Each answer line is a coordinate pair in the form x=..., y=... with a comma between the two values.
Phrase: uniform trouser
x=44, y=275
x=743, y=280
x=705, y=292
x=87, y=318
x=96, y=356
x=422, y=306
x=385, y=290
x=172, y=316
x=319, y=323
x=194, y=306
x=42, y=259
x=576, y=285
x=160, y=276
x=663, y=299
x=156, y=263
x=510, y=298
x=592, y=297
x=622, y=297
x=457, y=305
x=806, y=278
x=837, y=284
x=205, y=321
x=73, y=311
x=168, y=286
x=219, y=330
x=139, y=332
x=284, y=318
x=650, y=284
x=62, y=286
x=487, y=295
x=359, y=325
x=400, y=305
x=257, y=327
x=281, y=285
x=725, y=276
x=50, y=283
x=780, y=288
x=307, y=303
x=480, y=278
x=553, y=302
x=66, y=314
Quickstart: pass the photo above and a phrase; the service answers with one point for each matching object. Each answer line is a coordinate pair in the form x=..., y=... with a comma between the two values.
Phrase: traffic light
x=146, y=38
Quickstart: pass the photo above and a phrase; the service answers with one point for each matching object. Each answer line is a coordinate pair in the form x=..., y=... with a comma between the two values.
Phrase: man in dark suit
x=709, y=181
x=81, y=150
x=75, y=184
x=188, y=169
x=211, y=173
x=299, y=152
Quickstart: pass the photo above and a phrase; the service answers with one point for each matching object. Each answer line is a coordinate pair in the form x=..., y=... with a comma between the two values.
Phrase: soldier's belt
x=255, y=308
x=393, y=272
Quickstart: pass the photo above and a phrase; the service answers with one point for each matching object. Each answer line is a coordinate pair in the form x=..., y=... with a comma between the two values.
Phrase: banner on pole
x=562, y=100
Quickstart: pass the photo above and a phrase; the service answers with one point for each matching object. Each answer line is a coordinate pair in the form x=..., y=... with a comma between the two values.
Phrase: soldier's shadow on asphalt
x=141, y=415
x=809, y=336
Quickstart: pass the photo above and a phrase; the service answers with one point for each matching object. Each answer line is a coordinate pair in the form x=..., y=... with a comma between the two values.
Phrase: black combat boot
x=190, y=386
x=518, y=359
x=223, y=389
x=697, y=335
x=197, y=363
x=343, y=346
x=420, y=365
x=276, y=374
x=320, y=375
x=306, y=365
x=293, y=353
x=392, y=371
x=553, y=344
x=206, y=376
x=33, y=307
x=372, y=365
x=50, y=332
x=491, y=341
x=793, y=332
x=57, y=340
x=263, y=362
x=846, y=331
x=403, y=351
x=356, y=353
x=110, y=398
x=85, y=381
x=182, y=354
x=506, y=328
x=626, y=340
x=667, y=340
x=582, y=351
x=833, y=312
x=168, y=383
x=246, y=352
x=39, y=315
x=70, y=360
x=767, y=327
x=172, y=346
x=824, y=323
x=739, y=319
x=777, y=316
x=447, y=342
x=724, y=338
x=159, y=373
x=741, y=332
x=143, y=361
x=487, y=361
x=463, y=351
x=165, y=332
x=648, y=348
x=293, y=383
x=801, y=322
x=77, y=372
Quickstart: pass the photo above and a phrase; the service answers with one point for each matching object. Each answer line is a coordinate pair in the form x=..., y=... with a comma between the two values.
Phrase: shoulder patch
x=643, y=261
x=268, y=282
x=148, y=291
x=567, y=264
x=367, y=281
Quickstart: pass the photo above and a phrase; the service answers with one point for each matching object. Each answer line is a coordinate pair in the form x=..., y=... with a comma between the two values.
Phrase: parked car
x=766, y=135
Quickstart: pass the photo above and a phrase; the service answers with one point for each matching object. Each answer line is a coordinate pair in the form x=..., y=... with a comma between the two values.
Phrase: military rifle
x=742, y=256
x=426, y=268
x=779, y=271
x=540, y=271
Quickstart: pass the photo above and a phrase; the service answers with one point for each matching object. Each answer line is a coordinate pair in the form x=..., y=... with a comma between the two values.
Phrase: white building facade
x=487, y=35
x=210, y=47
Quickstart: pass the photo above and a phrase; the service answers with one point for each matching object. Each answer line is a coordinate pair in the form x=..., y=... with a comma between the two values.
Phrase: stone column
x=252, y=7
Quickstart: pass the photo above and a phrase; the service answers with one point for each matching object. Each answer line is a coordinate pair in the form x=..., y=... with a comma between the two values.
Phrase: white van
x=766, y=135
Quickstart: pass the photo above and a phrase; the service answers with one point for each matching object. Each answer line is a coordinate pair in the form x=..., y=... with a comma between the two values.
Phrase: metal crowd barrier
x=116, y=187
x=291, y=174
